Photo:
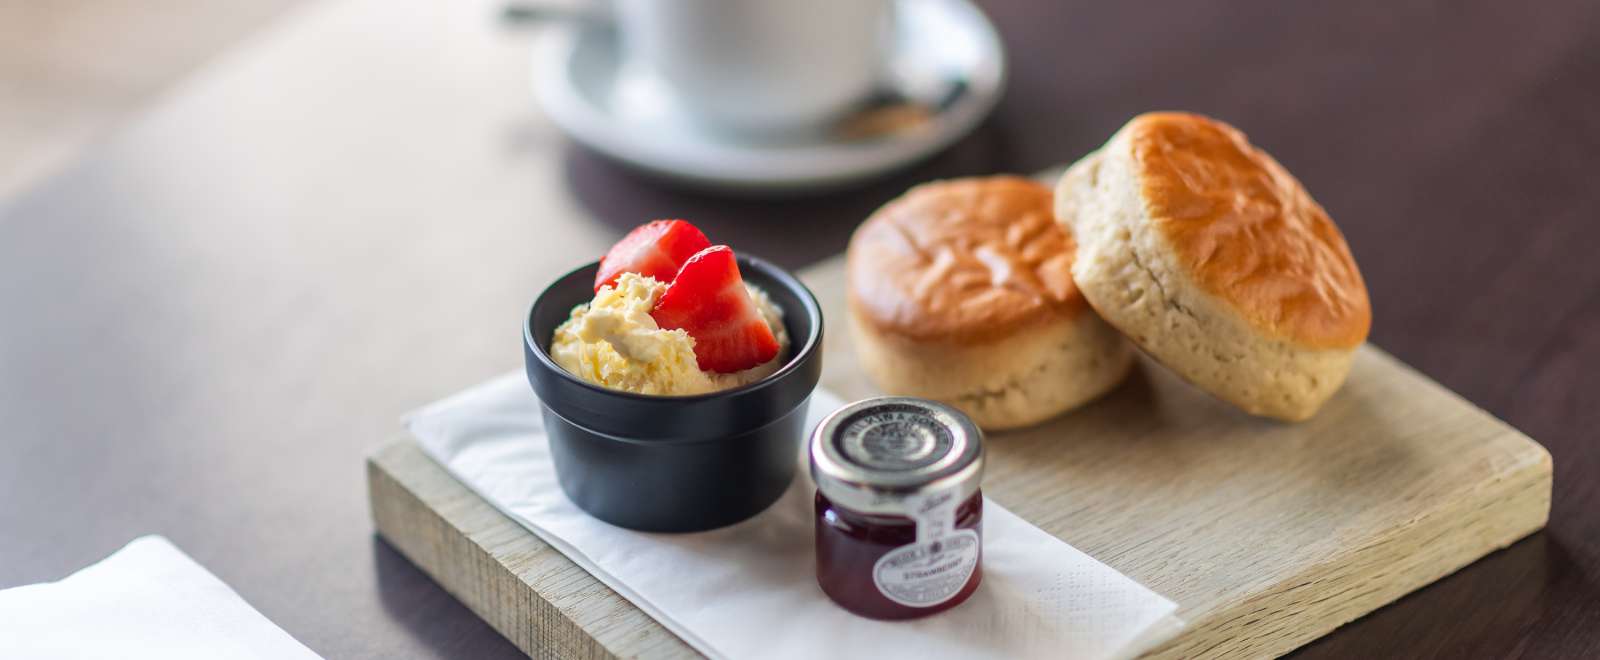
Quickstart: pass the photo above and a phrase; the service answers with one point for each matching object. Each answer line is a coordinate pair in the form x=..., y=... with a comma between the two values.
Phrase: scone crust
x=1138, y=283
x=964, y=261
x=1039, y=372
x=1242, y=228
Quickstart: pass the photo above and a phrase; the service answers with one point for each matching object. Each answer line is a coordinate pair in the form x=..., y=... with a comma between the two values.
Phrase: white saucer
x=580, y=81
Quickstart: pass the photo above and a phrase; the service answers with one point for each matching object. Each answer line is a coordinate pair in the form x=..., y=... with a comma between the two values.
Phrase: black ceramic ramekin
x=676, y=463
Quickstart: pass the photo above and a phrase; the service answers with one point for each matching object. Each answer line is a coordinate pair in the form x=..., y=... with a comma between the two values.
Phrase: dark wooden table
x=210, y=320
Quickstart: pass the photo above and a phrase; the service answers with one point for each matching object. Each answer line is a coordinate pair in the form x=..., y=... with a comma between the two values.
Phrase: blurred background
x=72, y=69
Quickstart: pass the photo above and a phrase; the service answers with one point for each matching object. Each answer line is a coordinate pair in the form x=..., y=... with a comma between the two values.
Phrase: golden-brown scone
x=961, y=291
x=1216, y=261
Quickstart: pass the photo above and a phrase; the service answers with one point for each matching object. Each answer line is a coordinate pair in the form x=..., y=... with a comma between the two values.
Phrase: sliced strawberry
x=708, y=300
x=655, y=249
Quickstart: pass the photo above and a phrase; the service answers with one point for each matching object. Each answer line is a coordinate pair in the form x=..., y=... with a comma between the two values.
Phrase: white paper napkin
x=149, y=600
x=750, y=590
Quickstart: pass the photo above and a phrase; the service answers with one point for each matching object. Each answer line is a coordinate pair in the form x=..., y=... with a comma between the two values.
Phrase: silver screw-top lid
x=871, y=455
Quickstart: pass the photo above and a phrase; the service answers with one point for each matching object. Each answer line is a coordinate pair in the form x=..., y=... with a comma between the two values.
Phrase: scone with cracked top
x=961, y=291
x=1215, y=260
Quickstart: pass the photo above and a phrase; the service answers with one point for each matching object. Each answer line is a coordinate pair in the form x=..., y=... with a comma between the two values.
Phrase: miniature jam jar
x=899, y=513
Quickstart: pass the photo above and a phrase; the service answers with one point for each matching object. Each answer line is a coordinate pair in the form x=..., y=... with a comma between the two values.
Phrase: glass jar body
x=850, y=545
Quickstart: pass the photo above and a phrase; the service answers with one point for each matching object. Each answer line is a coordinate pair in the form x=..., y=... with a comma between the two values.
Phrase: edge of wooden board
x=530, y=593
x=549, y=607
x=1364, y=578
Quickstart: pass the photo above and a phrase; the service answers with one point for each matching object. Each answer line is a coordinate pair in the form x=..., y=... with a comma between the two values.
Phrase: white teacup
x=759, y=66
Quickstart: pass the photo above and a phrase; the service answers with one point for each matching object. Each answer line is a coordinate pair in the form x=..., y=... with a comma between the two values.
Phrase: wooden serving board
x=1267, y=535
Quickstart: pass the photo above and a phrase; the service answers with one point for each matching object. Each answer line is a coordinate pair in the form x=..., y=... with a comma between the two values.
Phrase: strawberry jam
x=850, y=544
x=899, y=513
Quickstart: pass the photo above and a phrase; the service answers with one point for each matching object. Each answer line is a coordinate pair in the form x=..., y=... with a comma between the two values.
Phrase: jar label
x=934, y=568
x=928, y=573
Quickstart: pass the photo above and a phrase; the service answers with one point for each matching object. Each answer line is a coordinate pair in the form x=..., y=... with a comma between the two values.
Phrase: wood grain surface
x=1267, y=535
x=206, y=324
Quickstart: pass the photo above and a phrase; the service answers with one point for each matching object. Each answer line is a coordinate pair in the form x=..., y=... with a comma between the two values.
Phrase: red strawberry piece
x=708, y=300
x=655, y=249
